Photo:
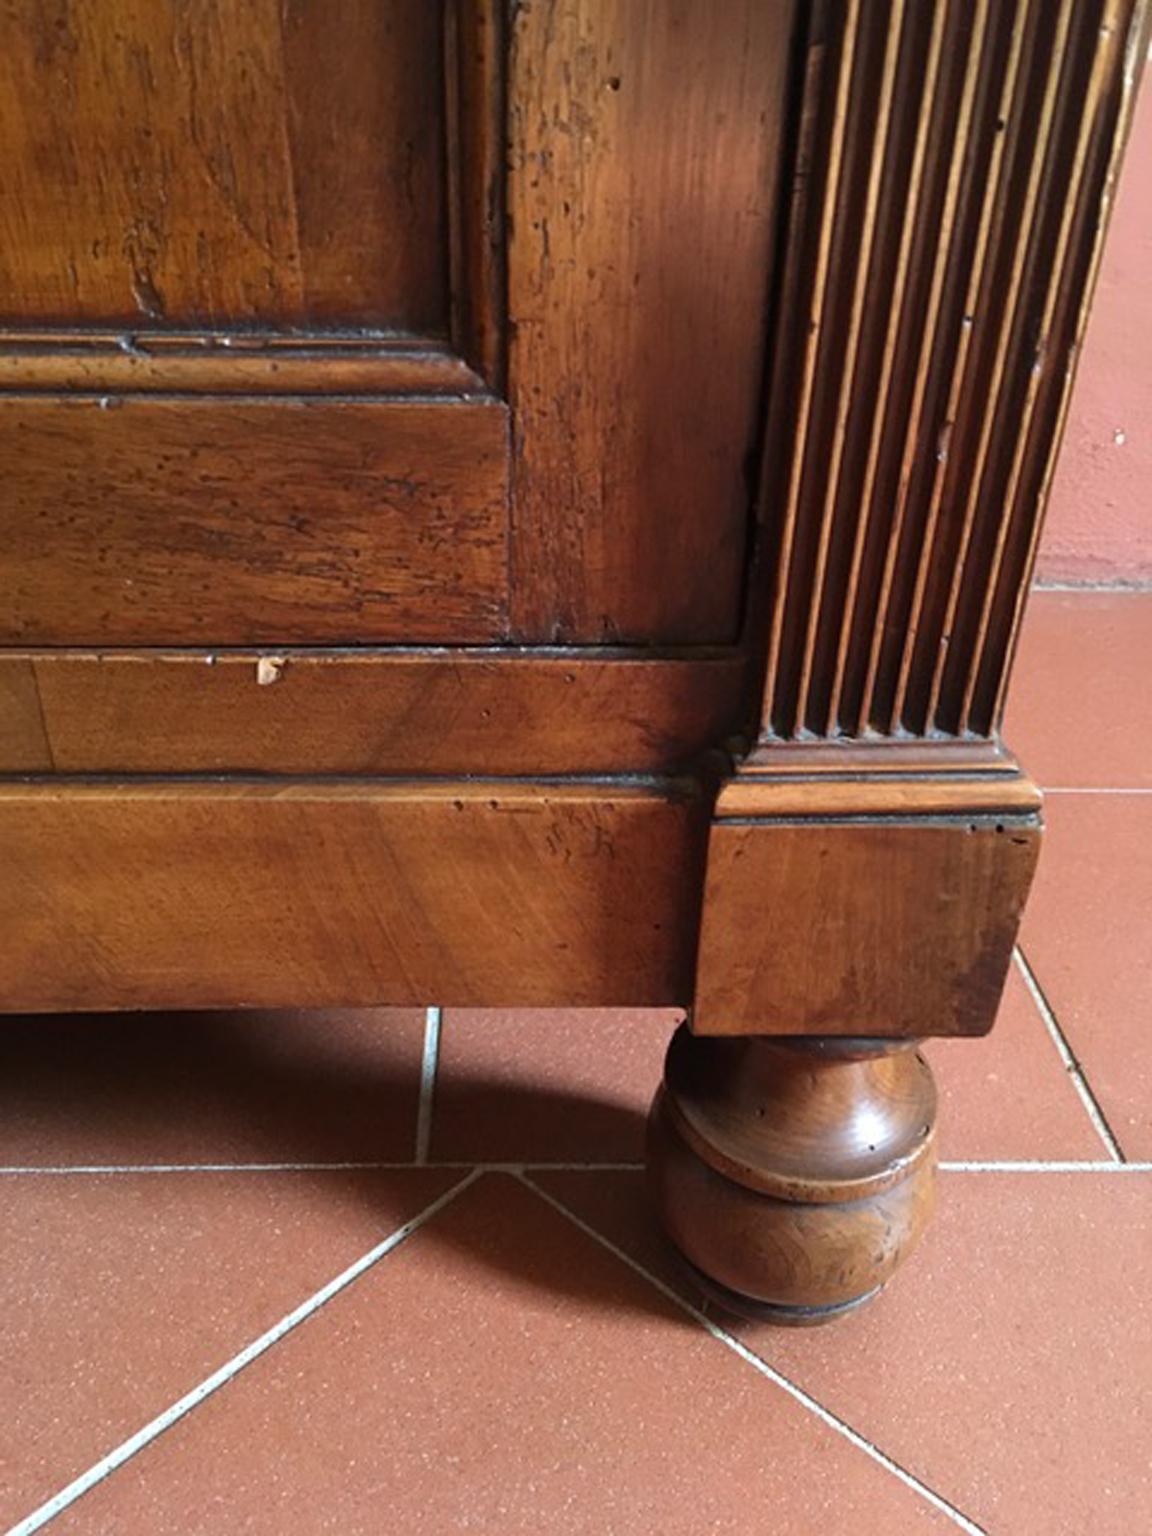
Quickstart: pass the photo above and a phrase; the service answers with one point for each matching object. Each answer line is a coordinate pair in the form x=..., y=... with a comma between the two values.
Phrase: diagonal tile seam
x=300, y=1314
x=101, y=1170
x=1068, y=1058
x=96, y=1170
x=825, y=1415
x=231, y=1368
x=429, y=1066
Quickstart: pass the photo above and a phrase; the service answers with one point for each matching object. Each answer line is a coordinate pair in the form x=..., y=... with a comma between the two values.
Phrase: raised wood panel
x=254, y=521
x=952, y=181
x=224, y=163
x=432, y=712
x=643, y=158
x=298, y=894
x=162, y=521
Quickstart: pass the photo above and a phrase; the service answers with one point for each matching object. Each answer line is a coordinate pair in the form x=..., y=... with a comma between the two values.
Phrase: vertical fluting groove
x=966, y=128
x=816, y=304
x=869, y=237
x=1039, y=374
x=879, y=418
x=953, y=171
x=1134, y=25
x=991, y=408
x=964, y=349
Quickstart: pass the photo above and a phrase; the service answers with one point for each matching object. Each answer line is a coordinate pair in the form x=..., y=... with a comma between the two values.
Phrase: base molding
x=298, y=893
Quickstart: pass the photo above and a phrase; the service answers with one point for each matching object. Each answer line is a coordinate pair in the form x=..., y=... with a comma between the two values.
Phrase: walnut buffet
x=530, y=502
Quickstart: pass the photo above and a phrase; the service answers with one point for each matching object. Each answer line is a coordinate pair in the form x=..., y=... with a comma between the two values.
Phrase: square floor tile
x=501, y=1372
x=1008, y=1096
x=1088, y=935
x=1008, y=1365
x=210, y=1087
x=120, y=1292
x=1080, y=707
x=548, y=1085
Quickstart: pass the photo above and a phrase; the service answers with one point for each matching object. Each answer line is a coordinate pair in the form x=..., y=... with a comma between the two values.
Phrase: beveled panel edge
x=230, y=363
x=475, y=63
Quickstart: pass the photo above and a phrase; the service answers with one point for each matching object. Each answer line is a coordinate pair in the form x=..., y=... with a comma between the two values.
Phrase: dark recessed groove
x=949, y=197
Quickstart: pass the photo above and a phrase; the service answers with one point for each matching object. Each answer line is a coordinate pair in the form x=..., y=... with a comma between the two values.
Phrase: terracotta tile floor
x=261, y=1273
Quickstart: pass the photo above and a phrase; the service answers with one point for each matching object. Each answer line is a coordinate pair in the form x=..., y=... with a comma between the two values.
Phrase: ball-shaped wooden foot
x=793, y=1174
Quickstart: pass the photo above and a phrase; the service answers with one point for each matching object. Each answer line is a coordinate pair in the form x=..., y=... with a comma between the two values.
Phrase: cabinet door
x=375, y=321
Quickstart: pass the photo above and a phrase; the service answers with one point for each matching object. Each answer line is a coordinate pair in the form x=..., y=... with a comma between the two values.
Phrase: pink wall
x=1099, y=527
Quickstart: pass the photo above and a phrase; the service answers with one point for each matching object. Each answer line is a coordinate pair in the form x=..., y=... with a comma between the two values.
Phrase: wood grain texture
x=24, y=744
x=224, y=162
x=295, y=894
x=476, y=101
x=952, y=183
x=880, y=794
x=795, y=1176
x=411, y=712
x=163, y=521
x=889, y=926
x=232, y=364
x=643, y=162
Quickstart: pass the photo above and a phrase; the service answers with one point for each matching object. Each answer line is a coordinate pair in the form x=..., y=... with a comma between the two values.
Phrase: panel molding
x=331, y=360
x=203, y=362
x=475, y=87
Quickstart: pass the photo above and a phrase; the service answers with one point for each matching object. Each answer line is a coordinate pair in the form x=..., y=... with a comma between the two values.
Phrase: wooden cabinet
x=532, y=503
x=384, y=321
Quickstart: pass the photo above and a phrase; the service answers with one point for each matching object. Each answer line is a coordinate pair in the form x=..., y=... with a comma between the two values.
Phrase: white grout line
x=1093, y=789
x=1071, y=1065
x=1138, y=588
x=101, y=1170
x=773, y=1375
x=219, y=1378
x=16, y=1170
x=1010, y=1166
x=428, y=1065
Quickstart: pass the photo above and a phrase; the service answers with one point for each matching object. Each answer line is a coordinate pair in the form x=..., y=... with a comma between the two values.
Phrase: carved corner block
x=863, y=902
x=950, y=178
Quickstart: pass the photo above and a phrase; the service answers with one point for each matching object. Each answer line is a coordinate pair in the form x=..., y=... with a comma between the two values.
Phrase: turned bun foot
x=793, y=1174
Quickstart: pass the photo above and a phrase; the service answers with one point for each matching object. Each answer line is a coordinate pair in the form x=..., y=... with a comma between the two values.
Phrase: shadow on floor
x=108, y=1090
